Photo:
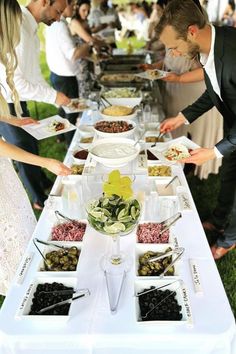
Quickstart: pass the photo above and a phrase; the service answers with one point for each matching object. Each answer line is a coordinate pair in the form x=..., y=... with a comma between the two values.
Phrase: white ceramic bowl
x=122, y=134
x=107, y=117
x=125, y=101
x=114, y=161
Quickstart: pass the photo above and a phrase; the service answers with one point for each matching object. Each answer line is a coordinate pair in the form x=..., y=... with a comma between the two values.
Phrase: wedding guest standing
x=17, y=220
x=62, y=55
x=31, y=86
x=184, y=30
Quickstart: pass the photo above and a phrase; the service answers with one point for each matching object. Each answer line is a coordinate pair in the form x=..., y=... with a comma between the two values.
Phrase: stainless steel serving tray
x=134, y=82
x=115, y=67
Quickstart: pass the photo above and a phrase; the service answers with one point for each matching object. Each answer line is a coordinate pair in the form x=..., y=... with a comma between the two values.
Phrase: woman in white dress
x=17, y=220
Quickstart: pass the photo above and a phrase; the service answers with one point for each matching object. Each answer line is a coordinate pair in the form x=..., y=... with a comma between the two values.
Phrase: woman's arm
x=18, y=122
x=195, y=75
x=15, y=153
x=77, y=28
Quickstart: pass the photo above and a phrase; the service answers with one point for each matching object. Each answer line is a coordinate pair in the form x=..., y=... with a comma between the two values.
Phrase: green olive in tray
x=63, y=260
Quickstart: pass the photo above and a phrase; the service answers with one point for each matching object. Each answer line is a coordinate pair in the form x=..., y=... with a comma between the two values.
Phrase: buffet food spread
x=131, y=272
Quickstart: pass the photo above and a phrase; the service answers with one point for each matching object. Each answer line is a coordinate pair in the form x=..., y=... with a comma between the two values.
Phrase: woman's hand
x=57, y=167
x=171, y=77
x=20, y=122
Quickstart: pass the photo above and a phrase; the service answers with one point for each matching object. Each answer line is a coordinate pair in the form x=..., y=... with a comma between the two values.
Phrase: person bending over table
x=184, y=30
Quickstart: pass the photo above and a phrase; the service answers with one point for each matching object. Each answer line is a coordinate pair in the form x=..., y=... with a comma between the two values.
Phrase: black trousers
x=224, y=215
x=32, y=177
x=69, y=86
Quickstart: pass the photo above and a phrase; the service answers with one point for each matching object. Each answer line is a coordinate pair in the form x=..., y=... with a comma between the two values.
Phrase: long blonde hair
x=10, y=21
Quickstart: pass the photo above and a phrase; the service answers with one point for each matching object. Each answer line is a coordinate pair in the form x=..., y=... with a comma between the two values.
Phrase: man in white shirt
x=31, y=86
x=184, y=30
x=61, y=54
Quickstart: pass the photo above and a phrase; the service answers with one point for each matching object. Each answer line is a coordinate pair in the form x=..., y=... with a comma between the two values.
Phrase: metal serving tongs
x=158, y=137
x=178, y=251
x=104, y=99
x=60, y=215
x=64, y=302
x=157, y=288
x=35, y=240
x=114, y=307
x=169, y=222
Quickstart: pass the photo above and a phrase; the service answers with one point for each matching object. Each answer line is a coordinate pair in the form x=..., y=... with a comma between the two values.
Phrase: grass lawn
x=204, y=192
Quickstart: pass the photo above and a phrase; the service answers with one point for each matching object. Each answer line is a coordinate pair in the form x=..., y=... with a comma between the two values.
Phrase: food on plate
x=81, y=154
x=113, y=150
x=117, y=111
x=118, y=185
x=122, y=93
x=159, y=171
x=118, y=126
x=154, y=139
x=153, y=74
x=150, y=233
x=86, y=140
x=69, y=231
x=77, y=169
x=155, y=268
x=62, y=260
x=113, y=214
x=176, y=152
x=78, y=104
x=120, y=78
x=163, y=304
x=56, y=125
x=48, y=294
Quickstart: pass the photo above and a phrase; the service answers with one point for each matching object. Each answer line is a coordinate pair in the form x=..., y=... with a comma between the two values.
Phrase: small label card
x=184, y=200
x=187, y=306
x=175, y=241
x=24, y=268
x=142, y=161
x=195, y=276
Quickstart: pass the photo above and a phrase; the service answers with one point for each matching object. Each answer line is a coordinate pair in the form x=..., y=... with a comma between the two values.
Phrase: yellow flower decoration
x=118, y=185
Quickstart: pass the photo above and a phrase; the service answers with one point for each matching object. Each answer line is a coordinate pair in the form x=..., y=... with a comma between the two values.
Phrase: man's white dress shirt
x=28, y=78
x=60, y=47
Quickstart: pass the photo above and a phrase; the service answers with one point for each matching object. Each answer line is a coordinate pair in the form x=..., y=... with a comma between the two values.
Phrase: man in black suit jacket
x=184, y=30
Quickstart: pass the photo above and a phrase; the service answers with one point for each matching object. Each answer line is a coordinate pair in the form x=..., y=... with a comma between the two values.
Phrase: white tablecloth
x=92, y=329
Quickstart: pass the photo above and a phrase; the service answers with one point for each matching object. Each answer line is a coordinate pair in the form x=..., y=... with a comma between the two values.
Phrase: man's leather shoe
x=208, y=226
x=220, y=252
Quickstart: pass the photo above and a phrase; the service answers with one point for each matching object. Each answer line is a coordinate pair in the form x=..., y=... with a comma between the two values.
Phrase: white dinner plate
x=146, y=74
x=42, y=130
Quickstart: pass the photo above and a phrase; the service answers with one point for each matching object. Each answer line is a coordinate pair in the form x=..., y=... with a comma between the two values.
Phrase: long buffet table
x=91, y=328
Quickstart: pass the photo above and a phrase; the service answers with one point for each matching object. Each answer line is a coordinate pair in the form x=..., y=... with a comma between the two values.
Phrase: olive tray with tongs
x=75, y=296
x=178, y=251
x=163, y=300
x=51, y=244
